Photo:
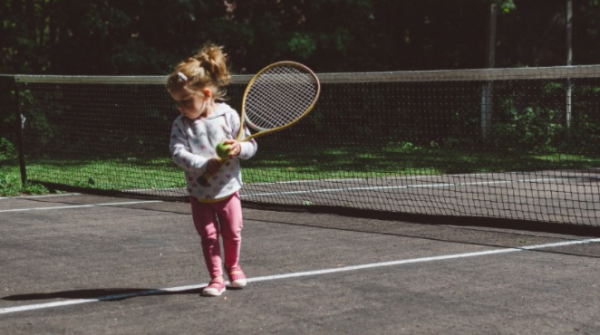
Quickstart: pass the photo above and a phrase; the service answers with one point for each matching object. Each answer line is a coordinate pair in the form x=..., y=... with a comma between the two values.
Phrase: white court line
x=80, y=206
x=376, y=188
x=33, y=307
x=40, y=196
x=366, y=188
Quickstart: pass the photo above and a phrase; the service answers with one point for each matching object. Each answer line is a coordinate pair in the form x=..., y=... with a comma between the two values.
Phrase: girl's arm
x=180, y=150
x=247, y=149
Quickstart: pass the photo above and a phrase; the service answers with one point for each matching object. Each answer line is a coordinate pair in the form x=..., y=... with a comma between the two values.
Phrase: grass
x=348, y=161
x=10, y=181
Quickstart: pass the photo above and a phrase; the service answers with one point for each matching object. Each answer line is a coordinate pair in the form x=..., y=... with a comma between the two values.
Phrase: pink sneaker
x=215, y=288
x=237, y=278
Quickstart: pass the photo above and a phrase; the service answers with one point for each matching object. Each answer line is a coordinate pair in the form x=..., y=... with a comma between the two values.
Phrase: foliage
x=506, y=6
x=114, y=37
x=529, y=129
x=7, y=150
x=10, y=182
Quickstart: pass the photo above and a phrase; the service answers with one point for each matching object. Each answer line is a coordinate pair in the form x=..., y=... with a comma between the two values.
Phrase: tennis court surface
x=83, y=264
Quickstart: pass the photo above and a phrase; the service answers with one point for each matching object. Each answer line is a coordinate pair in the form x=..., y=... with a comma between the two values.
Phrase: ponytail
x=206, y=69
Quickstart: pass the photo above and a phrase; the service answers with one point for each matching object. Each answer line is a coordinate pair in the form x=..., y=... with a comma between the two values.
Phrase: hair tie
x=182, y=76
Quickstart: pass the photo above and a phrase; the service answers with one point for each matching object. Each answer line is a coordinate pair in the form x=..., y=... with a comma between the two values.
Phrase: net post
x=10, y=105
x=19, y=124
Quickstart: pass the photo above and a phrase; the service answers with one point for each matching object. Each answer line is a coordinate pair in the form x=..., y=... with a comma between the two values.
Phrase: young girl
x=197, y=86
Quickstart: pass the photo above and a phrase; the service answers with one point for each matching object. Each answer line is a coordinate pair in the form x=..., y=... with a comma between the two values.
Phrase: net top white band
x=496, y=74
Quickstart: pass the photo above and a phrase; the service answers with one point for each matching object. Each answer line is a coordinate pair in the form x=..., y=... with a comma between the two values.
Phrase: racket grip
x=203, y=179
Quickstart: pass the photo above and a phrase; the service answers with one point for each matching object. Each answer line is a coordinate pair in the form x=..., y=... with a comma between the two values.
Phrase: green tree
x=112, y=37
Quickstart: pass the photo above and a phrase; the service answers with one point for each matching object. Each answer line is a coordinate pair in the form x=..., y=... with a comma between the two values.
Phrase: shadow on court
x=112, y=294
x=81, y=264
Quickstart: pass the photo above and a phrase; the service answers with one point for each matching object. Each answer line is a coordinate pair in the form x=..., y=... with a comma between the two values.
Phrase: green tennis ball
x=223, y=150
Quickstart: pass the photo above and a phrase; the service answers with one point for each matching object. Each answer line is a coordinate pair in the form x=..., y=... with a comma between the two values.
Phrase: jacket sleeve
x=181, y=152
x=249, y=148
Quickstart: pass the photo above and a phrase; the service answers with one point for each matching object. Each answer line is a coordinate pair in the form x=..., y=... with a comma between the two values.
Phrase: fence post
x=487, y=89
x=569, y=61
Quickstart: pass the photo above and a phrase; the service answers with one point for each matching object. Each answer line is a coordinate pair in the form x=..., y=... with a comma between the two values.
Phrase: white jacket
x=193, y=143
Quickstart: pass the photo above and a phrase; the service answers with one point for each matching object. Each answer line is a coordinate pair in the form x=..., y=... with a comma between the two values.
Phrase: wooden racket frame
x=203, y=180
x=262, y=131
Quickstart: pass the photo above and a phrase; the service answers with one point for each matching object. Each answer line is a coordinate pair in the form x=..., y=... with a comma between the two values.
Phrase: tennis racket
x=277, y=97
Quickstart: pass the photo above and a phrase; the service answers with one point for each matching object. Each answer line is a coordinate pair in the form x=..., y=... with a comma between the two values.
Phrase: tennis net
x=502, y=143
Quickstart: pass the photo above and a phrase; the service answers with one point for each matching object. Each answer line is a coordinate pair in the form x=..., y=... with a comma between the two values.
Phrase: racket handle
x=203, y=179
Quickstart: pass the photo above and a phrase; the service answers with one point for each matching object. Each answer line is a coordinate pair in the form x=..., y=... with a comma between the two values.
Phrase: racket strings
x=279, y=96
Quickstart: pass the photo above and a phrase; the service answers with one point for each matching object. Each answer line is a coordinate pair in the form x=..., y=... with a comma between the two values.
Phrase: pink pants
x=224, y=218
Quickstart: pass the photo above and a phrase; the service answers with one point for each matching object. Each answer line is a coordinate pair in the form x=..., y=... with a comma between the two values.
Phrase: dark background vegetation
x=136, y=37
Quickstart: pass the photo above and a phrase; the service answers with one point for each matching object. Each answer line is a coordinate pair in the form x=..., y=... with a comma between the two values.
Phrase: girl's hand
x=234, y=147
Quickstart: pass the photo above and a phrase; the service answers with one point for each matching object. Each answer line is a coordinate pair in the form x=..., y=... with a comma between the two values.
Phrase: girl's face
x=192, y=105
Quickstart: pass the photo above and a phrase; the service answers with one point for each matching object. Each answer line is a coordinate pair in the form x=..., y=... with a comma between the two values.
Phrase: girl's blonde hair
x=207, y=69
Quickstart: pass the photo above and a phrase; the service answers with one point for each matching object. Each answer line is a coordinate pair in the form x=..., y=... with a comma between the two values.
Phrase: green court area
x=393, y=159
